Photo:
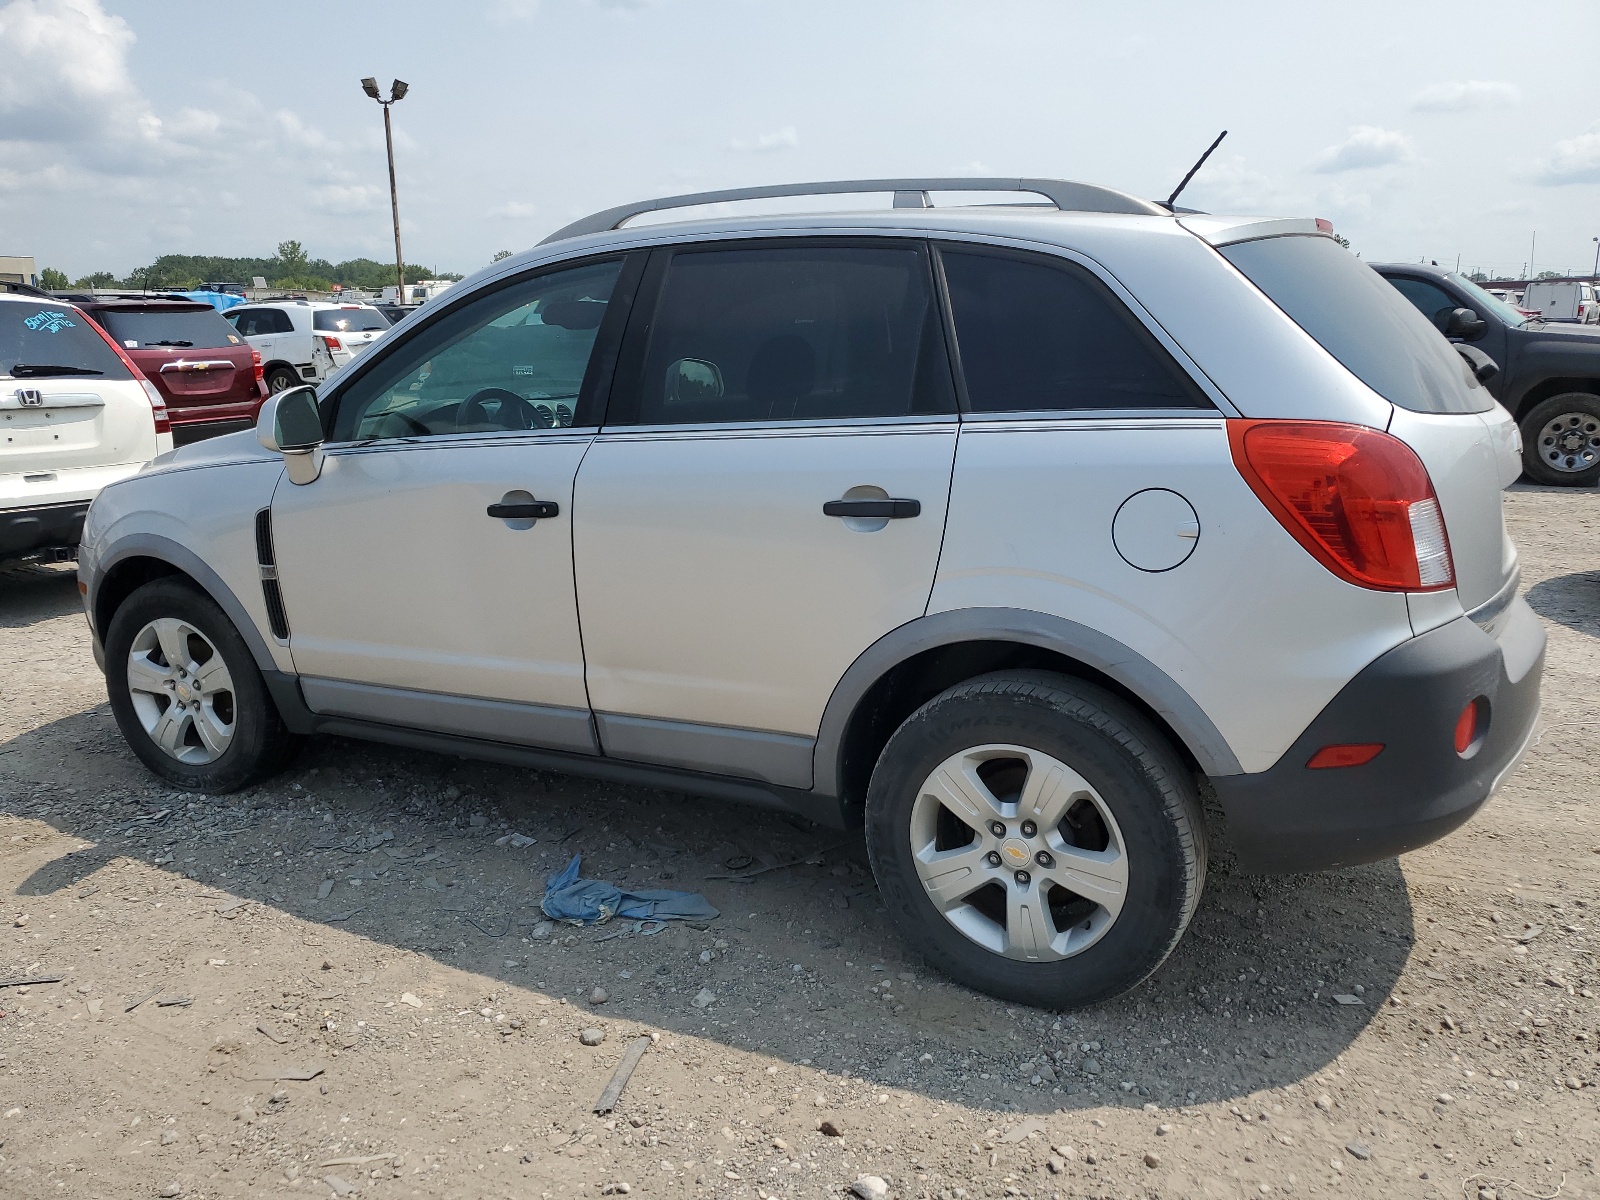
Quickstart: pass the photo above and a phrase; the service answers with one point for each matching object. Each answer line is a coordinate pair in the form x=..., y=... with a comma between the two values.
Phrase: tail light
x=332, y=343
x=1359, y=500
x=255, y=361
x=158, y=406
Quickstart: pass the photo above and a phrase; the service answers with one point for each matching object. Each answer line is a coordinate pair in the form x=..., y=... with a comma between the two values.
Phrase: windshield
x=1358, y=318
x=195, y=328
x=348, y=320
x=45, y=340
x=1488, y=302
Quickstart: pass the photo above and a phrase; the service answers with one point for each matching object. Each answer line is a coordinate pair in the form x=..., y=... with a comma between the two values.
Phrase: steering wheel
x=513, y=413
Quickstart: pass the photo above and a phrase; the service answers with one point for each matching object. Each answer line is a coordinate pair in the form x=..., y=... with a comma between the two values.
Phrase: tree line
x=291, y=268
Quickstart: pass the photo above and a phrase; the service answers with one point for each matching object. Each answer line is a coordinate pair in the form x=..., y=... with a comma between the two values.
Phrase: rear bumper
x=1291, y=818
x=26, y=531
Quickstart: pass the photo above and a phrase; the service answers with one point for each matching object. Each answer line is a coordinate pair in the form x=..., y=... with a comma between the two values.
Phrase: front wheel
x=1036, y=838
x=187, y=693
x=1561, y=440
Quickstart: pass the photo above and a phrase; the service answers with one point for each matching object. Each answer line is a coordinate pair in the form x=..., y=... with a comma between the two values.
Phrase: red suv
x=211, y=378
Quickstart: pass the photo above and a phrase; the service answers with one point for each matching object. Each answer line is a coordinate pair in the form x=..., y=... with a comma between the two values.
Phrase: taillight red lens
x=1358, y=499
x=1349, y=754
x=332, y=343
x=255, y=359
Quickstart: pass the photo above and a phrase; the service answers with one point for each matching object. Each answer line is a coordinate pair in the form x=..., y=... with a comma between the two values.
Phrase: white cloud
x=1575, y=160
x=1367, y=146
x=1464, y=96
x=343, y=199
x=514, y=210
x=779, y=139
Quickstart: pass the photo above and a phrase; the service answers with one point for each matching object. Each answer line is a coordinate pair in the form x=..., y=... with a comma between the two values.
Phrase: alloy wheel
x=181, y=690
x=1019, y=852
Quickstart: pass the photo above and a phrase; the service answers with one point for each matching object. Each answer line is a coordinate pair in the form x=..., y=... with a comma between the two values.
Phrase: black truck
x=1548, y=376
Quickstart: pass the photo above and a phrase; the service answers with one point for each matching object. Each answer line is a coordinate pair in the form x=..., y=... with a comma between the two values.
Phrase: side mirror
x=1482, y=366
x=1464, y=323
x=693, y=379
x=291, y=424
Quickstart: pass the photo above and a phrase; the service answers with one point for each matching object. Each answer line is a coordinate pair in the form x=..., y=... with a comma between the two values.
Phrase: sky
x=132, y=129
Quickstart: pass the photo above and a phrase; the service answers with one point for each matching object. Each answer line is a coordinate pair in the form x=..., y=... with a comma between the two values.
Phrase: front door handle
x=893, y=509
x=527, y=510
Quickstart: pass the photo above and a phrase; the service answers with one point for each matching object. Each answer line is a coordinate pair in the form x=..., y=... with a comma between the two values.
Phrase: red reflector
x=1358, y=499
x=1350, y=755
x=1469, y=725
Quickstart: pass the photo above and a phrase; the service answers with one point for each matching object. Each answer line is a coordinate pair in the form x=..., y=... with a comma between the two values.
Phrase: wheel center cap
x=1573, y=441
x=1015, y=852
x=183, y=692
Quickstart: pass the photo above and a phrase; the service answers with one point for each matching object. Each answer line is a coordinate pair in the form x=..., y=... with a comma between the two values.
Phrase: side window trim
x=590, y=409
x=635, y=341
x=1054, y=257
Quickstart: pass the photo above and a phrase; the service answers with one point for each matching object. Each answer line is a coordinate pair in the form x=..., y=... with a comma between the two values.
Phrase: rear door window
x=1043, y=335
x=798, y=332
x=1356, y=316
x=199, y=329
x=46, y=341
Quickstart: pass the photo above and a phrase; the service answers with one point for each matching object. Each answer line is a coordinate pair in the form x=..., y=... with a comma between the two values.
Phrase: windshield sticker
x=233, y=340
x=50, y=322
x=131, y=345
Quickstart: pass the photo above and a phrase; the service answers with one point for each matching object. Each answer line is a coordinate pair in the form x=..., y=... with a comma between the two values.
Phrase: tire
x=1132, y=803
x=231, y=736
x=281, y=379
x=1561, y=440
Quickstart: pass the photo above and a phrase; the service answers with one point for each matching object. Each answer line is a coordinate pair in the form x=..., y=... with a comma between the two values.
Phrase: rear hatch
x=66, y=400
x=187, y=350
x=1464, y=439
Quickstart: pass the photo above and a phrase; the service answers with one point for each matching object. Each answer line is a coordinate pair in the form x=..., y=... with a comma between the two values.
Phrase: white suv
x=75, y=415
x=306, y=340
x=1005, y=532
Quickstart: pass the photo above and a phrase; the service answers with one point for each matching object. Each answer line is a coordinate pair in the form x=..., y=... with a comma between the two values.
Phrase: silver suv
x=1005, y=533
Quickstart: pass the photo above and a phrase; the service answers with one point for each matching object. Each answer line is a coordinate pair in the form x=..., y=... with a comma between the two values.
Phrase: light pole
x=397, y=91
x=1596, y=241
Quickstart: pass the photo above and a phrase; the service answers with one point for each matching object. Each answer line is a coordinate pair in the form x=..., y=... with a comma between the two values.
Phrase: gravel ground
x=1422, y=1027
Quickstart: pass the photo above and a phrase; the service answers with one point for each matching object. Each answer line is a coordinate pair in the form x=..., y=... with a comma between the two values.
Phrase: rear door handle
x=534, y=510
x=893, y=509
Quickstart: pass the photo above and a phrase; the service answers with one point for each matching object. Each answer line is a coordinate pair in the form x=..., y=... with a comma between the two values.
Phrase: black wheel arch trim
x=181, y=558
x=1089, y=646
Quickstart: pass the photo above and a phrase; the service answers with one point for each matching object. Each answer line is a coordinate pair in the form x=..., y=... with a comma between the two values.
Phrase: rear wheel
x=187, y=694
x=1035, y=838
x=1561, y=440
x=281, y=379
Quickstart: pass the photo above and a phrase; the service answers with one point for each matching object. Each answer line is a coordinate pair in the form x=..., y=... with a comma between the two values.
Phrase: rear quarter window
x=51, y=341
x=1356, y=316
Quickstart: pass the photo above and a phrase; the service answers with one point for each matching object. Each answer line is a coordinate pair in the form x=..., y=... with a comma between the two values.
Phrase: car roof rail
x=1066, y=195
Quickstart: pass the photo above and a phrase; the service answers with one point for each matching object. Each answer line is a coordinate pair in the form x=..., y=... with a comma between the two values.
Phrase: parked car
x=209, y=377
x=1003, y=532
x=1563, y=300
x=289, y=334
x=1548, y=375
x=75, y=415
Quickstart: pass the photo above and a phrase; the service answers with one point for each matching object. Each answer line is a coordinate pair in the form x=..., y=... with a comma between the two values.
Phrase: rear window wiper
x=28, y=370
x=169, y=343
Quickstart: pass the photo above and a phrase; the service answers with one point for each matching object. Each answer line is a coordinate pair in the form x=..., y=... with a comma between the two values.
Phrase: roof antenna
x=1172, y=199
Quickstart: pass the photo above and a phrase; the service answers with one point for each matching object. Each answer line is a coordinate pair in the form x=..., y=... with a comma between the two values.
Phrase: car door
x=427, y=573
x=258, y=327
x=766, y=499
